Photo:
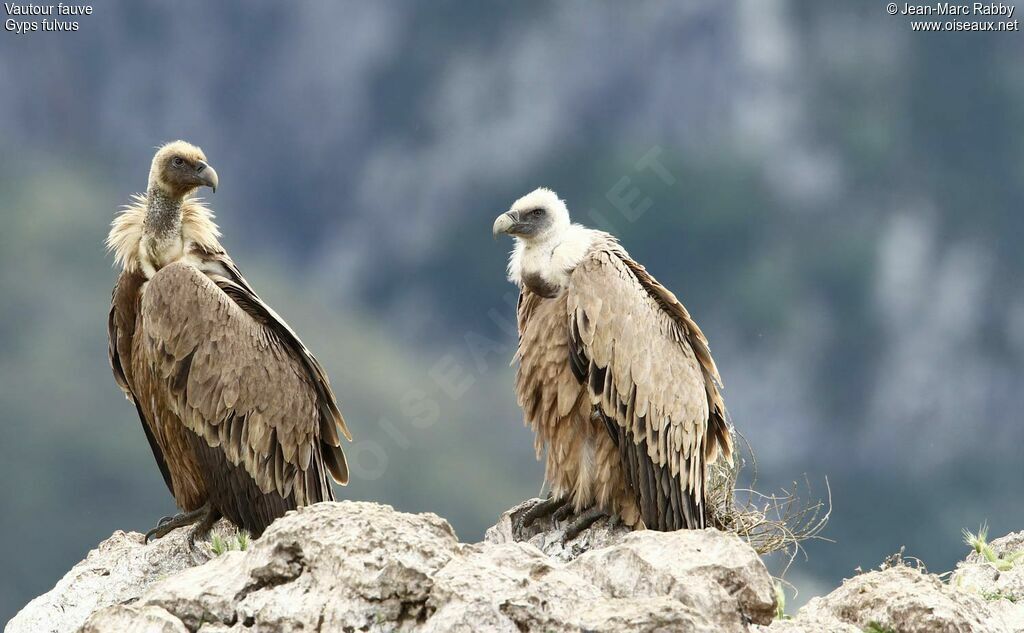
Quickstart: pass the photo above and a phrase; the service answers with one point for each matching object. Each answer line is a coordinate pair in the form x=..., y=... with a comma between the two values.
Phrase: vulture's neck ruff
x=544, y=265
x=156, y=230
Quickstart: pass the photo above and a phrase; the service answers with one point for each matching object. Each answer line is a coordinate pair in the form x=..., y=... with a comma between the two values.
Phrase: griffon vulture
x=239, y=414
x=614, y=377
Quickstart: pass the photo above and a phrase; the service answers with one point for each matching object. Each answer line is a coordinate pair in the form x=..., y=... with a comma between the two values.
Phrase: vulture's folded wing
x=235, y=285
x=650, y=374
x=243, y=382
x=120, y=330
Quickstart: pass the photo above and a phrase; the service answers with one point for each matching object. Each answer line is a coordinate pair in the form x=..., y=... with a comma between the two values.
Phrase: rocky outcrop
x=365, y=567
x=901, y=598
x=978, y=597
x=116, y=572
x=1000, y=587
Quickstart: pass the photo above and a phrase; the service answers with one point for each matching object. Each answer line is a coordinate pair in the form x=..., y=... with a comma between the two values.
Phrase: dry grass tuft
x=770, y=523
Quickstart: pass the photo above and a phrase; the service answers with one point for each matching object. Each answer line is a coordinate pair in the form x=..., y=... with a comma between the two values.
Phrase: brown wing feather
x=649, y=375
x=234, y=284
x=234, y=492
x=241, y=381
x=718, y=426
x=124, y=305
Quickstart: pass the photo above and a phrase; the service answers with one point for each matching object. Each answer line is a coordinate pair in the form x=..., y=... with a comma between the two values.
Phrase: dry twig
x=770, y=523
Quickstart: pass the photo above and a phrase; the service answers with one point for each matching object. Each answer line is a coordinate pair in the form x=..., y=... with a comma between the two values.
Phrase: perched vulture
x=239, y=414
x=614, y=377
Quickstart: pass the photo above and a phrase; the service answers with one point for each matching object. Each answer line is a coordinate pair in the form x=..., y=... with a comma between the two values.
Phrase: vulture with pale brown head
x=239, y=414
x=614, y=377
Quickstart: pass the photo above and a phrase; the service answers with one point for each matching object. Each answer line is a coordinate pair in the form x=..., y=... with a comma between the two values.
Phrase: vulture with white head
x=614, y=377
x=240, y=415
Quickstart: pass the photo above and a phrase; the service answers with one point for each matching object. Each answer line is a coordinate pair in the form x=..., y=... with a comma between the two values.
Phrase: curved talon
x=168, y=524
x=562, y=513
x=191, y=540
x=202, y=529
x=538, y=511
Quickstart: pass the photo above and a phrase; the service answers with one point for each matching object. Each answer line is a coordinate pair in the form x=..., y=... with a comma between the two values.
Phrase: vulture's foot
x=545, y=508
x=562, y=513
x=205, y=524
x=168, y=524
x=582, y=522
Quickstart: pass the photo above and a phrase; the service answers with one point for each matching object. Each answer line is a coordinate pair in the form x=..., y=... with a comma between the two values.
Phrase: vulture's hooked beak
x=207, y=175
x=506, y=223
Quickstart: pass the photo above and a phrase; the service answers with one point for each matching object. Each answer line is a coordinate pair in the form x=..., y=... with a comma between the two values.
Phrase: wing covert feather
x=649, y=372
x=239, y=383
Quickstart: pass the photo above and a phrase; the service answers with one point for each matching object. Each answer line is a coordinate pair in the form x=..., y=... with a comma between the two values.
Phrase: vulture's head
x=180, y=168
x=536, y=217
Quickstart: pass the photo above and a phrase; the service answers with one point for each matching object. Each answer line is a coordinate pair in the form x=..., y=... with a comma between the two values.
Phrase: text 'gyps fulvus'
x=614, y=376
x=239, y=414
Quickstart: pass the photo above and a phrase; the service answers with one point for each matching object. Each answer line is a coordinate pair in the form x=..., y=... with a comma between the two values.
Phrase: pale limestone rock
x=900, y=598
x=711, y=572
x=329, y=566
x=133, y=619
x=119, y=570
x=1003, y=590
x=365, y=567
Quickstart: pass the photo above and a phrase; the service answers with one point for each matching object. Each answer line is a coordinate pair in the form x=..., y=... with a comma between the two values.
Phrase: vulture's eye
x=536, y=213
x=178, y=161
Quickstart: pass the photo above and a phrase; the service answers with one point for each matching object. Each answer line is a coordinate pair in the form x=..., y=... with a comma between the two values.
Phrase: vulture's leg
x=166, y=525
x=582, y=522
x=204, y=526
x=539, y=511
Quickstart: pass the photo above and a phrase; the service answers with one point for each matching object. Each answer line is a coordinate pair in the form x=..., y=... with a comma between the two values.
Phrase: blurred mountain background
x=836, y=199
